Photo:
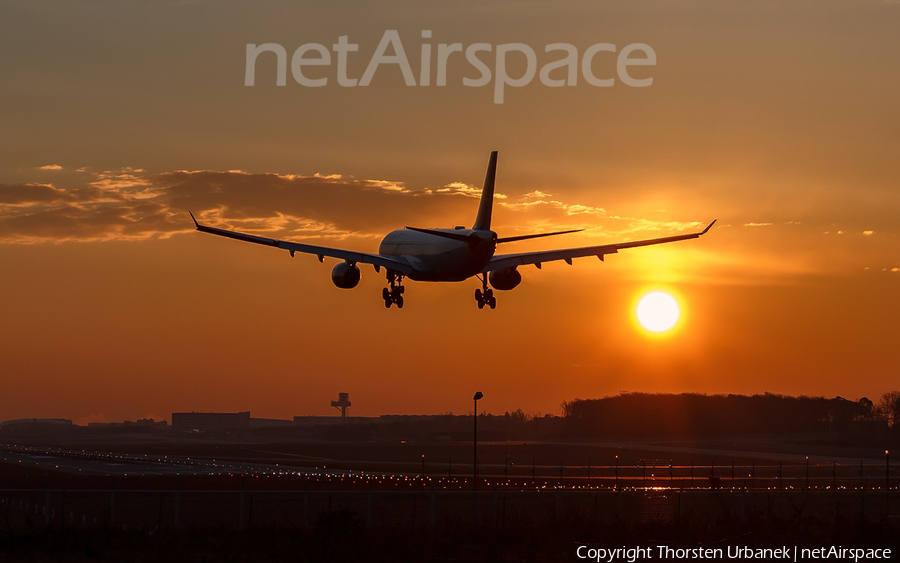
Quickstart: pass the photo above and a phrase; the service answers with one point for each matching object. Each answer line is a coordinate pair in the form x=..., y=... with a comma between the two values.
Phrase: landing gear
x=485, y=296
x=394, y=294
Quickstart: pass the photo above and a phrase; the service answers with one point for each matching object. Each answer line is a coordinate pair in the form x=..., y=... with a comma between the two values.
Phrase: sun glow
x=657, y=311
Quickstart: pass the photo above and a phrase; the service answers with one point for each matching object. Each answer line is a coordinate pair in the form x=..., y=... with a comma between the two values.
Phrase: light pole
x=477, y=396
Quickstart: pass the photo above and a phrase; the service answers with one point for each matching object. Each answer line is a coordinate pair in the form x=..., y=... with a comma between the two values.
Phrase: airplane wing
x=377, y=260
x=500, y=261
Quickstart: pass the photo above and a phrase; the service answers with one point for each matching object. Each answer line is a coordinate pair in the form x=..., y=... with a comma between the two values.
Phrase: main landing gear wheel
x=485, y=296
x=394, y=294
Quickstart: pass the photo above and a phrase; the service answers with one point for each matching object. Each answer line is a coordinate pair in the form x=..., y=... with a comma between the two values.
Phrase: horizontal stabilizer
x=471, y=238
x=524, y=237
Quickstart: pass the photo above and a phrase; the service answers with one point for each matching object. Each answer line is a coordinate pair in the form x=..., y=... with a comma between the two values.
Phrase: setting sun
x=657, y=311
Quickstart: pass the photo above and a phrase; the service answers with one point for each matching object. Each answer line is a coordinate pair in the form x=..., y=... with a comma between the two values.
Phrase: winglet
x=708, y=227
x=196, y=224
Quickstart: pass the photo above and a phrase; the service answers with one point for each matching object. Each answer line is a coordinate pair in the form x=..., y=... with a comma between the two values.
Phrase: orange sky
x=779, y=120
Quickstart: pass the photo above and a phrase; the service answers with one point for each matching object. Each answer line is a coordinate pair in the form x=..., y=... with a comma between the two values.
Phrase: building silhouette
x=210, y=421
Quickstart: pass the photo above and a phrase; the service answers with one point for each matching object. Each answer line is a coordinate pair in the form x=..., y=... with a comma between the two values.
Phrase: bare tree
x=889, y=408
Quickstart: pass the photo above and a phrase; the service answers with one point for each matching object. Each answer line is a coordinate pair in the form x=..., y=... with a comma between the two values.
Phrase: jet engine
x=505, y=279
x=345, y=275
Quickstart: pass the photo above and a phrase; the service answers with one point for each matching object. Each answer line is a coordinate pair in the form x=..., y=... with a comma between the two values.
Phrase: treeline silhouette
x=689, y=415
x=645, y=415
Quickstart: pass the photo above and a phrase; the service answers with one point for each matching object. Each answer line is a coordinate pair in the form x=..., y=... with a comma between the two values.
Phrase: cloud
x=30, y=194
x=125, y=179
x=757, y=224
x=538, y=198
x=50, y=167
x=868, y=233
x=469, y=190
x=383, y=184
x=133, y=204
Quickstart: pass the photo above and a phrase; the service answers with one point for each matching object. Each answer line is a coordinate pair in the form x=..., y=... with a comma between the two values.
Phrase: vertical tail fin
x=483, y=220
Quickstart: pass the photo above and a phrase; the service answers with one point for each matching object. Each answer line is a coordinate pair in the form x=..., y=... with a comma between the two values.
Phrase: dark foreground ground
x=211, y=502
x=340, y=535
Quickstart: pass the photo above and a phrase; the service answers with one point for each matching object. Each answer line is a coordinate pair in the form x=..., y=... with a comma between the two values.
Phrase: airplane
x=445, y=255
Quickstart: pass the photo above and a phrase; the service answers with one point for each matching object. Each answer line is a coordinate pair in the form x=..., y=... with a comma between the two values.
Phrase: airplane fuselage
x=436, y=258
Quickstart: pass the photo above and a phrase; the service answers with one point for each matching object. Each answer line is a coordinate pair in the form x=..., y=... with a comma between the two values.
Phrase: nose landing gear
x=485, y=296
x=394, y=294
